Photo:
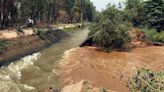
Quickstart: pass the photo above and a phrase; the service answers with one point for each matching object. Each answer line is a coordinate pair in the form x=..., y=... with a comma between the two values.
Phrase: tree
x=47, y=11
x=89, y=11
x=145, y=13
x=7, y=12
x=110, y=31
x=154, y=14
x=134, y=12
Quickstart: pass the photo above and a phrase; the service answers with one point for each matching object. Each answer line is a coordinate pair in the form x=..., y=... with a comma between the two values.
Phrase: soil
x=19, y=47
x=110, y=70
x=139, y=39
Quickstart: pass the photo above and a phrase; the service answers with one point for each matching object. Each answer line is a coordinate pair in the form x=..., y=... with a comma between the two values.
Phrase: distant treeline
x=14, y=12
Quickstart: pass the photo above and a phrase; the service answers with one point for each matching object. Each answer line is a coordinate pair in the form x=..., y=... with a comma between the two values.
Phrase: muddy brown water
x=108, y=70
x=36, y=73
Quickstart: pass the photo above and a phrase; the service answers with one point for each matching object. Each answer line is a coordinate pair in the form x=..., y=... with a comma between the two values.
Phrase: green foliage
x=134, y=12
x=154, y=36
x=151, y=34
x=94, y=28
x=145, y=13
x=41, y=32
x=2, y=45
x=97, y=16
x=154, y=14
x=110, y=31
x=123, y=39
x=65, y=11
x=147, y=81
x=160, y=37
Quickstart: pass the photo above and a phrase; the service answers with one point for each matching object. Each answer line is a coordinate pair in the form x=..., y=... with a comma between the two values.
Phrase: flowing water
x=108, y=70
x=35, y=73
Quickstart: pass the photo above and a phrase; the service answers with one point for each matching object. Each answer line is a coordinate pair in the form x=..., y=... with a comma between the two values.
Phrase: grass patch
x=147, y=81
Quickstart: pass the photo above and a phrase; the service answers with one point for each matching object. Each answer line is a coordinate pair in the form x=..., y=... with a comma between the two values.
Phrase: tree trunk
x=3, y=21
x=81, y=16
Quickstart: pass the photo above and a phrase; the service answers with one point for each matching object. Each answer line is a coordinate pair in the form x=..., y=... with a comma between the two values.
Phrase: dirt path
x=108, y=70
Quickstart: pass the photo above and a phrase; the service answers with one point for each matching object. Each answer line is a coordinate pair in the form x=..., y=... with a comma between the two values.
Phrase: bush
x=154, y=36
x=2, y=45
x=160, y=37
x=151, y=34
x=70, y=30
x=147, y=81
x=40, y=32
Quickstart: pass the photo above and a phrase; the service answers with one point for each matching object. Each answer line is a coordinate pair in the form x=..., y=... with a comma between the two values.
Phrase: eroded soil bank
x=108, y=70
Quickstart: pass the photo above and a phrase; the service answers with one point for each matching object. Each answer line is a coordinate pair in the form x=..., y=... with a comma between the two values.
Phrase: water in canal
x=35, y=73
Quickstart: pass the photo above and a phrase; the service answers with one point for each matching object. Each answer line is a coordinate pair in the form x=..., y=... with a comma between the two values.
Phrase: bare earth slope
x=108, y=70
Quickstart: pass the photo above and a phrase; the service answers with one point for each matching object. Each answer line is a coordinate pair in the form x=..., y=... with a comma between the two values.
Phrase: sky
x=101, y=4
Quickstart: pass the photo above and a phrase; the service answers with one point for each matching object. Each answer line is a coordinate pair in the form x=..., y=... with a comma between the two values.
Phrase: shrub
x=2, y=45
x=154, y=36
x=151, y=34
x=147, y=81
x=160, y=37
x=71, y=30
x=40, y=32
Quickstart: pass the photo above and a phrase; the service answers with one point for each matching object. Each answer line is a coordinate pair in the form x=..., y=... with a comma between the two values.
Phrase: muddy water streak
x=35, y=73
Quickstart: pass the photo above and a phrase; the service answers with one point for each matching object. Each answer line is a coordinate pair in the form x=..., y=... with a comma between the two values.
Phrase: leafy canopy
x=110, y=31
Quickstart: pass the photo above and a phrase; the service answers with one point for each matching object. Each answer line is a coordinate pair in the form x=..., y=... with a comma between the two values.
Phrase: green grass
x=147, y=80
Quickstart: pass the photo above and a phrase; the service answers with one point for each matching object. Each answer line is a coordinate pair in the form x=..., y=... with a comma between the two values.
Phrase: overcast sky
x=101, y=4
